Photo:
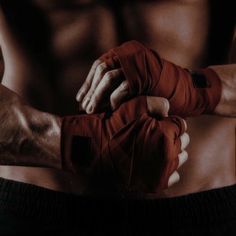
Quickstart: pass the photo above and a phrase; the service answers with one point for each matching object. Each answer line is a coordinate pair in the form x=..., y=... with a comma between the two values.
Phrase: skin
x=91, y=33
x=32, y=138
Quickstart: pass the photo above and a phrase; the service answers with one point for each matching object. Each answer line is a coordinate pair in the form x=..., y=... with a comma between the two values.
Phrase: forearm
x=31, y=138
x=97, y=148
x=227, y=104
x=209, y=90
x=46, y=138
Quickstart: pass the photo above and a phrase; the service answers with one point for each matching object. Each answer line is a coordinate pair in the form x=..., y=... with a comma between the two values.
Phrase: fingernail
x=89, y=109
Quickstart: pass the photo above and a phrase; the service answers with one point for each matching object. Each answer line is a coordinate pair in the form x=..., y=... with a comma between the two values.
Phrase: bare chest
x=82, y=33
x=171, y=27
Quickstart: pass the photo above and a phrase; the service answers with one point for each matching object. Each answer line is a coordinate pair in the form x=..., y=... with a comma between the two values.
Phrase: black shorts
x=29, y=210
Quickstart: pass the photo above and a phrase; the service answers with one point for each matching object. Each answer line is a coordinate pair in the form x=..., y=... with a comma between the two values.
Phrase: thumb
x=158, y=106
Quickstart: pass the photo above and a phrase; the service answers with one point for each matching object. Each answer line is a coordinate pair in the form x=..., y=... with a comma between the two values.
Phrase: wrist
x=227, y=75
x=45, y=136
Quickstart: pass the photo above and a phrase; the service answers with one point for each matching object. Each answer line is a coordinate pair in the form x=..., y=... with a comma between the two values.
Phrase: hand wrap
x=127, y=151
x=189, y=93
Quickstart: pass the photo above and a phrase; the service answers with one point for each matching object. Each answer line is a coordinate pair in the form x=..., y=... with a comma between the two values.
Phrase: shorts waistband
x=25, y=200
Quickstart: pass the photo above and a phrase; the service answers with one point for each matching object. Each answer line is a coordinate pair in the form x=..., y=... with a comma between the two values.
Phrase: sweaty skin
x=182, y=31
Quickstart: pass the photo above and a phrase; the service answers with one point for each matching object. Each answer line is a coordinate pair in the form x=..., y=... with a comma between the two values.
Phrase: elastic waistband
x=208, y=207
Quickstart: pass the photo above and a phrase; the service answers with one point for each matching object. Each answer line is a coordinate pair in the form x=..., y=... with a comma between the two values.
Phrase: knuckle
x=185, y=138
x=183, y=154
x=113, y=98
x=97, y=62
x=124, y=85
x=174, y=178
x=101, y=67
x=108, y=77
x=165, y=103
x=177, y=177
x=115, y=95
x=113, y=101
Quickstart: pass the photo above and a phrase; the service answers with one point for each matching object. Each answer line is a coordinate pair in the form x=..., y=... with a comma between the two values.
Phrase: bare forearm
x=30, y=137
x=45, y=131
x=227, y=74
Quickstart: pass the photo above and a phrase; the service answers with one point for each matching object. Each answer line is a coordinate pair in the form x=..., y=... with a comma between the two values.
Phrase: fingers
x=185, y=125
x=119, y=95
x=183, y=157
x=178, y=125
x=86, y=85
x=174, y=178
x=185, y=139
x=103, y=89
x=100, y=85
x=91, y=84
x=158, y=106
x=99, y=73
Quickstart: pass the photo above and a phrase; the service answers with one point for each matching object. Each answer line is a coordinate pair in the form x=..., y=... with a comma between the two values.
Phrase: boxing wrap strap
x=126, y=152
x=189, y=93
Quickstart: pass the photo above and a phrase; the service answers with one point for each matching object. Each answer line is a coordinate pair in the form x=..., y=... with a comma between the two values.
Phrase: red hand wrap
x=148, y=74
x=129, y=151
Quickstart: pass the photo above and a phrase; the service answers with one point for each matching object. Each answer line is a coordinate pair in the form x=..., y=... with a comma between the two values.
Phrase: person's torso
x=190, y=33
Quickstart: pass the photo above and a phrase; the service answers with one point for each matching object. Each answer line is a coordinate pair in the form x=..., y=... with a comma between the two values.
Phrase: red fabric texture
x=149, y=74
x=129, y=151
